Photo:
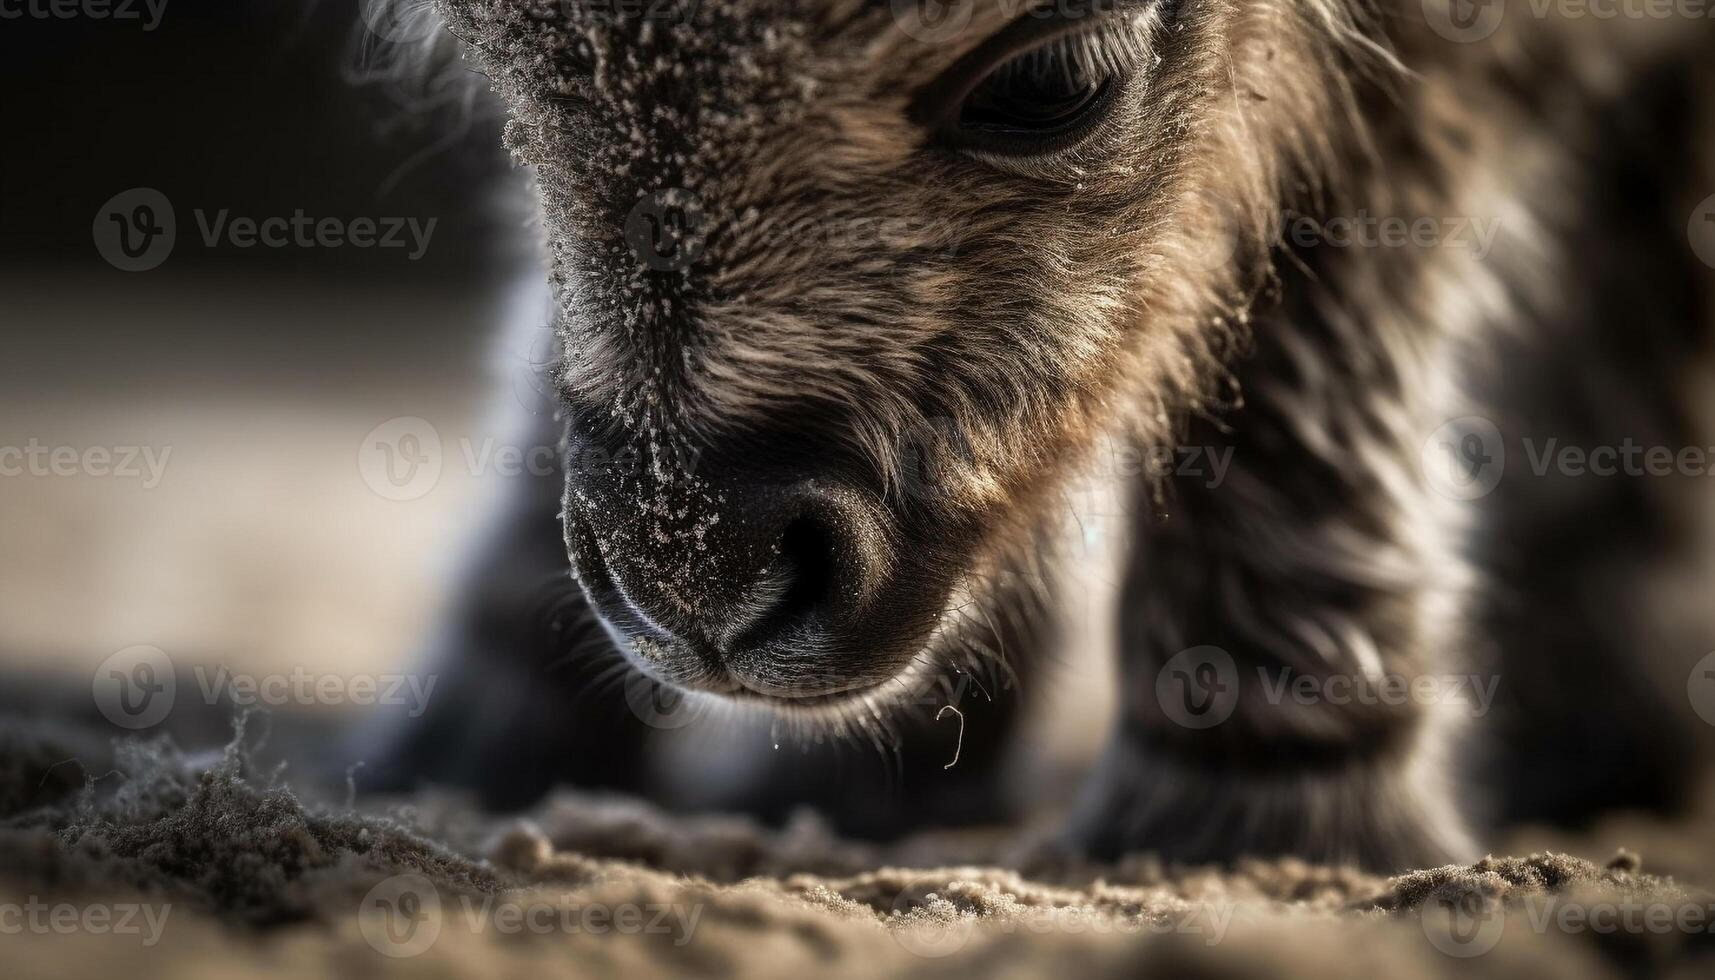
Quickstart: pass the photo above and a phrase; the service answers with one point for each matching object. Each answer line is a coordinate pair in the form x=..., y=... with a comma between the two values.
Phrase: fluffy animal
x=845, y=293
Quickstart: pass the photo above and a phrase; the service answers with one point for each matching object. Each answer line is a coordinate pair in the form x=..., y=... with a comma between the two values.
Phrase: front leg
x=528, y=690
x=1272, y=618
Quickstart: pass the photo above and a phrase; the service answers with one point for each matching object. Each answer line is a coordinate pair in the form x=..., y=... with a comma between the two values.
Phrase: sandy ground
x=182, y=866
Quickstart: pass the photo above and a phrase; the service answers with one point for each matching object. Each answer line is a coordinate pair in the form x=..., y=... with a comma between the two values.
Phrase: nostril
x=807, y=560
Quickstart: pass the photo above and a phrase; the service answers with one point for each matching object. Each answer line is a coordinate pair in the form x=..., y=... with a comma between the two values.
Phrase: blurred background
x=248, y=375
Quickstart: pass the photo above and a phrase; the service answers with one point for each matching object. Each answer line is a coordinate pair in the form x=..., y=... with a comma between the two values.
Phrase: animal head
x=848, y=287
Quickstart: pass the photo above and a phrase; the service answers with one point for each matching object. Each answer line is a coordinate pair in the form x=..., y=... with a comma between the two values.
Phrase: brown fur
x=1133, y=288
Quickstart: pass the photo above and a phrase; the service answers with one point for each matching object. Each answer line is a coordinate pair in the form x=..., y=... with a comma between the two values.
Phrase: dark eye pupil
x=1032, y=95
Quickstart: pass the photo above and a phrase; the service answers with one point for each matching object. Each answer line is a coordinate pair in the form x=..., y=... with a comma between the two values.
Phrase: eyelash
x=1118, y=47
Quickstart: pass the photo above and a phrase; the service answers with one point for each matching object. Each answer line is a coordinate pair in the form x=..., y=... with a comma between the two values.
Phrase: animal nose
x=722, y=564
x=811, y=570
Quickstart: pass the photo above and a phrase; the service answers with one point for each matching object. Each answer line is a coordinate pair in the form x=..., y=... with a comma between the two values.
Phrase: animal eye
x=1036, y=100
x=1040, y=85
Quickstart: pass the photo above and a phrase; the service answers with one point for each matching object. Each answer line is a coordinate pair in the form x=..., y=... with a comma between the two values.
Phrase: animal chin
x=809, y=695
x=809, y=701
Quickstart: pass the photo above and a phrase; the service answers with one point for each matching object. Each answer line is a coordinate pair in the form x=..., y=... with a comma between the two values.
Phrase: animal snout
x=715, y=572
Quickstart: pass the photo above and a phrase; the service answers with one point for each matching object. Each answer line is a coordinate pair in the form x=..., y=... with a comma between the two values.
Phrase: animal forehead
x=714, y=96
x=732, y=77
x=730, y=34
x=859, y=16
